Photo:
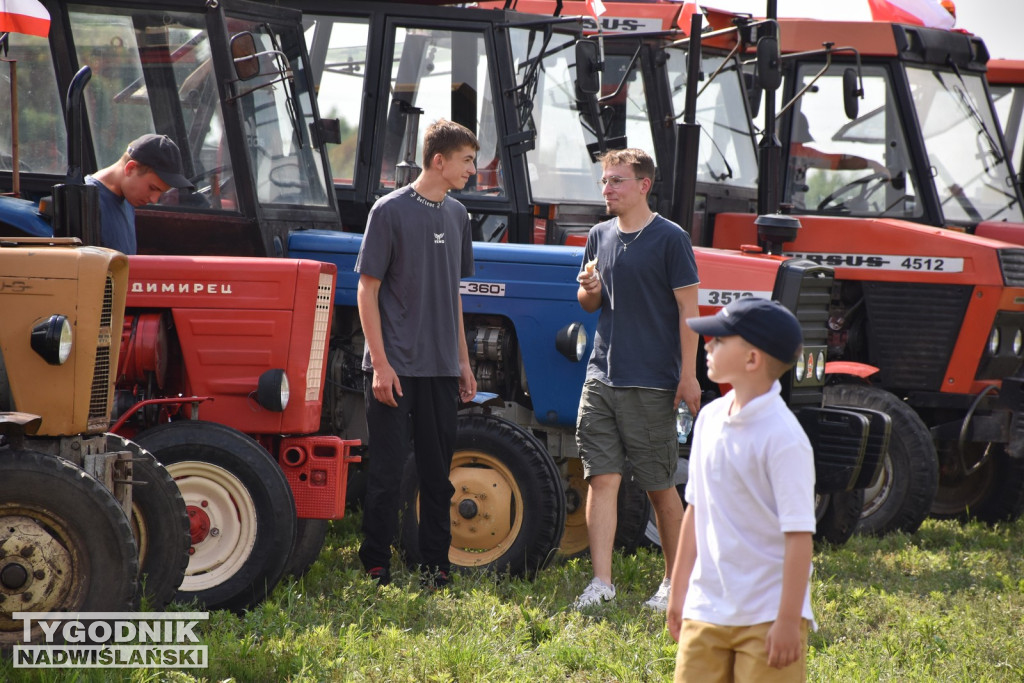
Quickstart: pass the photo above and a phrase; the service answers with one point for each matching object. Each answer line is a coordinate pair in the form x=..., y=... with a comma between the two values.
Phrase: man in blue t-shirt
x=644, y=283
x=149, y=167
x=418, y=245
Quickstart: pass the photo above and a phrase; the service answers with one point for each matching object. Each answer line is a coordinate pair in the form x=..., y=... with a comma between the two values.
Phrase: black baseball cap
x=161, y=154
x=766, y=324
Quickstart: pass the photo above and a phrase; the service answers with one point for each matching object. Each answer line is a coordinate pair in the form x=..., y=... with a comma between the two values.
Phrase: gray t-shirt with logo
x=419, y=250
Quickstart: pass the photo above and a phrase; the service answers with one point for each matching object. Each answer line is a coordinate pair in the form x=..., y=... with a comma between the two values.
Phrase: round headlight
x=819, y=369
x=52, y=339
x=571, y=341
x=1018, y=342
x=272, y=390
x=800, y=369
x=993, y=341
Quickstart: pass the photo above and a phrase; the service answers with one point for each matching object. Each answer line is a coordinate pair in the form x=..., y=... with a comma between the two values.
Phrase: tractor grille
x=318, y=349
x=99, y=399
x=1011, y=261
x=805, y=288
x=912, y=329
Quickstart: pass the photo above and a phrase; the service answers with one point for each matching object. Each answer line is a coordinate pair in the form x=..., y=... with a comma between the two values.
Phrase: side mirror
x=769, y=69
x=588, y=65
x=851, y=93
x=243, y=53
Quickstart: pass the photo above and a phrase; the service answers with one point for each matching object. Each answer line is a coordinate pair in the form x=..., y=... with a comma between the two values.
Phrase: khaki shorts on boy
x=616, y=424
x=723, y=654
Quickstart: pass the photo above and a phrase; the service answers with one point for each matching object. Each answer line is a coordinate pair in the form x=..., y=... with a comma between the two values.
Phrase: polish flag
x=689, y=9
x=24, y=16
x=929, y=13
x=596, y=7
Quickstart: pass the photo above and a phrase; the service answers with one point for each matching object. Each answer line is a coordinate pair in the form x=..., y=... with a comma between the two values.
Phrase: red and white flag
x=929, y=13
x=689, y=9
x=24, y=16
x=596, y=7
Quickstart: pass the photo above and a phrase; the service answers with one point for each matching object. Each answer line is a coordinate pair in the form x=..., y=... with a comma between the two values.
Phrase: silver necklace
x=618, y=231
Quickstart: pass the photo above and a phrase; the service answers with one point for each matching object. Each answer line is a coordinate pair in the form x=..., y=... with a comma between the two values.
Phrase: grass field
x=946, y=604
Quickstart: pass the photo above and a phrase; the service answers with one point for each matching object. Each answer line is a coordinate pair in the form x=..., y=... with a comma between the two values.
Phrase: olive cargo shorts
x=616, y=424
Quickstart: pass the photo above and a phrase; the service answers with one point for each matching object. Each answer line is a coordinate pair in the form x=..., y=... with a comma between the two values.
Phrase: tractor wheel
x=994, y=492
x=903, y=494
x=309, y=541
x=632, y=511
x=837, y=516
x=65, y=543
x=240, y=507
x=508, y=511
x=160, y=526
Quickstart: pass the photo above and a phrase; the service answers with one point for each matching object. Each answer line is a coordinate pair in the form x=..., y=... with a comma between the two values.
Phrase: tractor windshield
x=727, y=152
x=154, y=71
x=857, y=167
x=1009, y=103
x=972, y=174
x=560, y=166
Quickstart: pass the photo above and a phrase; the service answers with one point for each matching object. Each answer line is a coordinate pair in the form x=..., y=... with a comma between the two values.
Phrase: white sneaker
x=659, y=601
x=596, y=592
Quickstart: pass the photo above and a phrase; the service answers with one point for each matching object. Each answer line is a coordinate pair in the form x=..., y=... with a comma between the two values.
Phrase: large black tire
x=240, y=507
x=992, y=493
x=65, y=541
x=632, y=511
x=837, y=516
x=903, y=494
x=309, y=541
x=508, y=511
x=160, y=526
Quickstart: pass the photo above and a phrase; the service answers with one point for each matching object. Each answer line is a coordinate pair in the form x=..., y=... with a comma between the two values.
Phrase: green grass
x=946, y=604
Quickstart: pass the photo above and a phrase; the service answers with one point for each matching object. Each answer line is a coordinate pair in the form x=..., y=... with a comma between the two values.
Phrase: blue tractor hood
x=22, y=217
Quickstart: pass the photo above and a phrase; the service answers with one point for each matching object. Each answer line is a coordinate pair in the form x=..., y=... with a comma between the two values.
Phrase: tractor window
x=337, y=49
x=559, y=165
x=727, y=150
x=275, y=108
x=624, y=102
x=42, y=137
x=839, y=166
x=152, y=72
x=972, y=176
x=436, y=73
x=1009, y=102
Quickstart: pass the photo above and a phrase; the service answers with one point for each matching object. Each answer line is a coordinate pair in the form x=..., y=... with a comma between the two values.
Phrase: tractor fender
x=846, y=367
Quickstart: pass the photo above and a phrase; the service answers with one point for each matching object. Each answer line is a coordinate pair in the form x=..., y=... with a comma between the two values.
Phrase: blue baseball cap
x=766, y=324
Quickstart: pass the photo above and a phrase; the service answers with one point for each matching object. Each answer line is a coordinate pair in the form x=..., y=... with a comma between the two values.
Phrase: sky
x=998, y=22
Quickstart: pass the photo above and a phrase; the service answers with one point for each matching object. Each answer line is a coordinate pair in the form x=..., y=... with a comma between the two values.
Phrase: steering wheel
x=865, y=187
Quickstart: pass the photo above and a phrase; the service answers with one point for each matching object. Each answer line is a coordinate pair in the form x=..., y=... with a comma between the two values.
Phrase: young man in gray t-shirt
x=418, y=245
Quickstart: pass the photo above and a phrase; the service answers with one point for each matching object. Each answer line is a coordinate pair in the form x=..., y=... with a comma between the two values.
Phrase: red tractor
x=223, y=359
x=886, y=130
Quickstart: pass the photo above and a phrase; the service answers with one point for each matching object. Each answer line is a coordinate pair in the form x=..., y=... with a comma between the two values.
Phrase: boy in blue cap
x=740, y=604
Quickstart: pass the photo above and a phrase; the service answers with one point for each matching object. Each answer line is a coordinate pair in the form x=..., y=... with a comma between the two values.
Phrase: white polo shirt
x=751, y=480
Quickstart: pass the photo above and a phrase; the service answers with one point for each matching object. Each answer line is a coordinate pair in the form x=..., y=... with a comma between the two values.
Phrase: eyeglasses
x=615, y=180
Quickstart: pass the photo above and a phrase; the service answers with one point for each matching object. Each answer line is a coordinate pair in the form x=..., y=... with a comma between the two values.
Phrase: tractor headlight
x=800, y=370
x=819, y=369
x=272, y=392
x=993, y=341
x=51, y=339
x=571, y=341
x=1018, y=342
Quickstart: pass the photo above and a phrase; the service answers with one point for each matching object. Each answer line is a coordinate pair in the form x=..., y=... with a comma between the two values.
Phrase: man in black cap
x=149, y=167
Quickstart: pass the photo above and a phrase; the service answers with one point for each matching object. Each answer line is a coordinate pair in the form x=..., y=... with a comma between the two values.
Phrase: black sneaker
x=382, y=575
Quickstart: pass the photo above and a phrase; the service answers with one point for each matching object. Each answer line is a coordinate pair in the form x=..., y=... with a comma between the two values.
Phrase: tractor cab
x=227, y=83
